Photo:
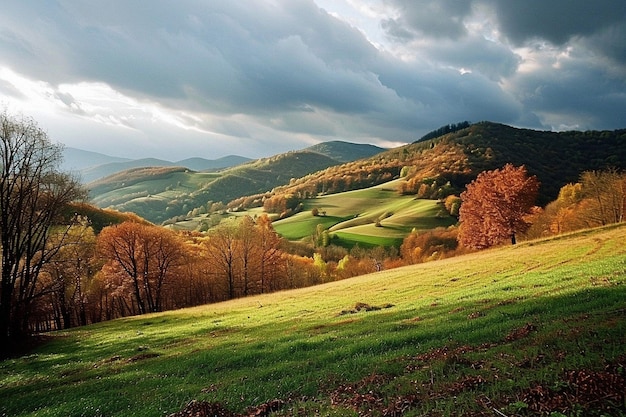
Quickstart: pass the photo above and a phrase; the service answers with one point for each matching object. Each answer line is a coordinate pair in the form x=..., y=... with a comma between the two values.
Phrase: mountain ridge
x=92, y=166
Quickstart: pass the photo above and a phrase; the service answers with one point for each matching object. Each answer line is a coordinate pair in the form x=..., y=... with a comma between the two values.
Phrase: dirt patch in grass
x=367, y=399
x=364, y=307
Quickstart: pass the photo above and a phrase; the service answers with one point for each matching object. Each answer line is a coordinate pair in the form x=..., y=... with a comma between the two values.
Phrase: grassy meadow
x=500, y=331
x=376, y=216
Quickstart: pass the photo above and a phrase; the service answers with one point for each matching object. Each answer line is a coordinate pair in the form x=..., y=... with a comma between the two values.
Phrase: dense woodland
x=86, y=265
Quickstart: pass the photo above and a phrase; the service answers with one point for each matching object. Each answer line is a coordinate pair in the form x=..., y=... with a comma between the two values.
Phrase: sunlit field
x=376, y=216
x=468, y=334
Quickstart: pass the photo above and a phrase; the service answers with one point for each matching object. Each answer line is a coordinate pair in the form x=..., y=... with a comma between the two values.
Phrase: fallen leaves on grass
x=521, y=332
x=580, y=390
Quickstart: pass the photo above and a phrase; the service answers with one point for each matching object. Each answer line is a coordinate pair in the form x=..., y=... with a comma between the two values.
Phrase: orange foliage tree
x=598, y=199
x=143, y=258
x=495, y=205
x=70, y=273
x=429, y=245
x=244, y=255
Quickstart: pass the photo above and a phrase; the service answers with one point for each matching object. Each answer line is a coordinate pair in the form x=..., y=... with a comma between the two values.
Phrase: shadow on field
x=535, y=356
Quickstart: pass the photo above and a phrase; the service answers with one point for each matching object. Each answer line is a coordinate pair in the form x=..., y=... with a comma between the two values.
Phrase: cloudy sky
x=209, y=78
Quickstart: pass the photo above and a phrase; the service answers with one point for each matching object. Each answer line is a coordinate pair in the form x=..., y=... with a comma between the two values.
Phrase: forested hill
x=345, y=151
x=557, y=158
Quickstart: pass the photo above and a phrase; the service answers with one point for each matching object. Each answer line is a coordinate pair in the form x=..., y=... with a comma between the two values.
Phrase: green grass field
x=352, y=217
x=505, y=329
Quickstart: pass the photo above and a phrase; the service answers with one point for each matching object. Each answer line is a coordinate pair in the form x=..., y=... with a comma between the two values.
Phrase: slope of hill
x=557, y=158
x=92, y=166
x=535, y=329
x=375, y=216
x=439, y=166
x=158, y=194
x=345, y=151
x=94, y=173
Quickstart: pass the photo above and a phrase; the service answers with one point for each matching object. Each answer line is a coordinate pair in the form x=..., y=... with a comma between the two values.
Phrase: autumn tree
x=197, y=284
x=33, y=193
x=606, y=192
x=429, y=245
x=221, y=253
x=244, y=253
x=247, y=253
x=494, y=206
x=146, y=256
x=70, y=272
x=268, y=249
x=598, y=199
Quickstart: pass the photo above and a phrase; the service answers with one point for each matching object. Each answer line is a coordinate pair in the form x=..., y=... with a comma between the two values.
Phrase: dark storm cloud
x=557, y=20
x=582, y=93
x=573, y=66
x=437, y=19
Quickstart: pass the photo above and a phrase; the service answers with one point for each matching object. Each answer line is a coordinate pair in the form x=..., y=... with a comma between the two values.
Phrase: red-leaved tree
x=494, y=206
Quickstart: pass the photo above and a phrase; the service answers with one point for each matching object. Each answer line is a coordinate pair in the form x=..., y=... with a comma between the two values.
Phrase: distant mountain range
x=157, y=190
x=92, y=166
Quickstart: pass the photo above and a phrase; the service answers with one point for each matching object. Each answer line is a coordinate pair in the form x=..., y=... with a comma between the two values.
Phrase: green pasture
x=303, y=225
x=461, y=336
x=367, y=239
x=352, y=217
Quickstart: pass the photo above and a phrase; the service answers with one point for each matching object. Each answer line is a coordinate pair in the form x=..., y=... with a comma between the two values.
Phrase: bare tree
x=32, y=195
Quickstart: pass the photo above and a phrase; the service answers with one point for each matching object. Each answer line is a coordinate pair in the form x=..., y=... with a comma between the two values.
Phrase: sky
x=210, y=78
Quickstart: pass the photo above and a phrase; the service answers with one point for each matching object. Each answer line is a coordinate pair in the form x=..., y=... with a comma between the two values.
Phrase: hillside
x=158, y=194
x=557, y=158
x=432, y=169
x=443, y=165
x=345, y=151
x=375, y=216
x=535, y=329
x=93, y=166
